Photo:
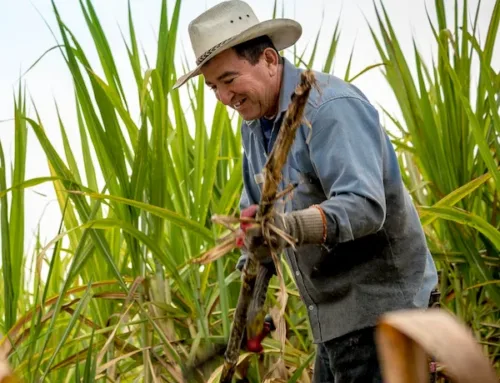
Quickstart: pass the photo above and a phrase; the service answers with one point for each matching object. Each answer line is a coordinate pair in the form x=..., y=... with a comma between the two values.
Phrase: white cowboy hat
x=230, y=23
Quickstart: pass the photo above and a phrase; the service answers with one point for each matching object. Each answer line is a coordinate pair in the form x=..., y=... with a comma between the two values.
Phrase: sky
x=25, y=35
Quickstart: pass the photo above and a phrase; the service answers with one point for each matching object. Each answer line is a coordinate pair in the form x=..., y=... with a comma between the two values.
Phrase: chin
x=248, y=115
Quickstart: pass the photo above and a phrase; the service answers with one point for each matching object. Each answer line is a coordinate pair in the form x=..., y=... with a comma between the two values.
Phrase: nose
x=224, y=95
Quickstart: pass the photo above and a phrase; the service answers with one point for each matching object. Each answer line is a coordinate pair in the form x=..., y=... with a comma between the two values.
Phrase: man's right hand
x=307, y=226
x=250, y=212
x=252, y=240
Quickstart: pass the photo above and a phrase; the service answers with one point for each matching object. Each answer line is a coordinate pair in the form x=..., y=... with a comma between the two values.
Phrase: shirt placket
x=312, y=308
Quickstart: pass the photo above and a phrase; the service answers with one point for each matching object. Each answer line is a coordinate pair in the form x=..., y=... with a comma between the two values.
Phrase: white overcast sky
x=24, y=36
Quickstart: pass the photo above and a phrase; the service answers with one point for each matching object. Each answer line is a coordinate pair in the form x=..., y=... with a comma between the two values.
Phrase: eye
x=227, y=82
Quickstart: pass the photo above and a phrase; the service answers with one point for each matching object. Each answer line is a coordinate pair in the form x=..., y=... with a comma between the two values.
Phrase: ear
x=271, y=59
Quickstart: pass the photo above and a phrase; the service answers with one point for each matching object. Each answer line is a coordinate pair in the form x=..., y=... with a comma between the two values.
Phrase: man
x=360, y=249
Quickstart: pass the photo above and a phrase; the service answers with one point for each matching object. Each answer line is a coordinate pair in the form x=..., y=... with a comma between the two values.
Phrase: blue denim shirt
x=375, y=258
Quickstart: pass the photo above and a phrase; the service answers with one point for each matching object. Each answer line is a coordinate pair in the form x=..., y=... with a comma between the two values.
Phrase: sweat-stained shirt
x=375, y=258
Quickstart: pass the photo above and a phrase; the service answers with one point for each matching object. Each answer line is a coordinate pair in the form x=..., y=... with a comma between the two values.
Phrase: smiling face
x=251, y=90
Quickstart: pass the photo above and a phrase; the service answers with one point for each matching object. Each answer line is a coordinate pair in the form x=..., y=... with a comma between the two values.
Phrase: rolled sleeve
x=347, y=149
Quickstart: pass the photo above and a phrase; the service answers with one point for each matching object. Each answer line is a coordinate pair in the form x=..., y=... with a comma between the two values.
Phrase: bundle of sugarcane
x=255, y=277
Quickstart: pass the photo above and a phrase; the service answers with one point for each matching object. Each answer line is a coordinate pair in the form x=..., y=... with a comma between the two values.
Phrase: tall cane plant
x=448, y=144
x=119, y=291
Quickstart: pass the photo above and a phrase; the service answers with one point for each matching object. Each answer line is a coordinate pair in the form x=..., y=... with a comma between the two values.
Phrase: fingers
x=249, y=212
x=240, y=238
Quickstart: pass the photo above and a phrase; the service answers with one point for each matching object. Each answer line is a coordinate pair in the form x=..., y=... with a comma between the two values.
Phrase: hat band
x=211, y=50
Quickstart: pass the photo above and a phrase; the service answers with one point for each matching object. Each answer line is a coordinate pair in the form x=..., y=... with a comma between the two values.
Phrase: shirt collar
x=290, y=80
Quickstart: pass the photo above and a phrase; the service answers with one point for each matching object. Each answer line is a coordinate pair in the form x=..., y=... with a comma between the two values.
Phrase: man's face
x=249, y=89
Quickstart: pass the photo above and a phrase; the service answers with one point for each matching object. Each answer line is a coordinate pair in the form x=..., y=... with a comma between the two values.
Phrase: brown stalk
x=250, y=291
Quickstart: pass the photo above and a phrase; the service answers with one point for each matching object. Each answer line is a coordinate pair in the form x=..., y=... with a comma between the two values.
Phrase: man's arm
x=347, y=148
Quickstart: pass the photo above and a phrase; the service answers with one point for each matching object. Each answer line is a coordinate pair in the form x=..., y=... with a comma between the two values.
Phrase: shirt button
x=297, y=273
x=311, y=308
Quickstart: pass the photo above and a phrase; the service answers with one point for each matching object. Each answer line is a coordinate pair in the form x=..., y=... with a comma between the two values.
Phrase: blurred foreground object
x=6, y=375
x=405, y=340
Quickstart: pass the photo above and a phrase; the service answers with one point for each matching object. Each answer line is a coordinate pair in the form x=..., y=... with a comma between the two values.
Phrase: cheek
x=243, y=88
x=247, y=87
x=262, y=95
x=258, y=94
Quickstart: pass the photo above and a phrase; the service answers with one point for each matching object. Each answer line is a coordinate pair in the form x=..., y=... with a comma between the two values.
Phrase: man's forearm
x=350, y=216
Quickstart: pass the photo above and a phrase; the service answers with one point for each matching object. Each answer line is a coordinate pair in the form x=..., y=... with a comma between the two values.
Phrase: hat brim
x=282, y=32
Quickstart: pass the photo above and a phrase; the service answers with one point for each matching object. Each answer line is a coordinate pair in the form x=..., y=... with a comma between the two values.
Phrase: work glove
x=307, y=226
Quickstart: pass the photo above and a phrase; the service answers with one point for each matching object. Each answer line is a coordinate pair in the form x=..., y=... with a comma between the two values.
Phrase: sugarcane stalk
x=272, y=177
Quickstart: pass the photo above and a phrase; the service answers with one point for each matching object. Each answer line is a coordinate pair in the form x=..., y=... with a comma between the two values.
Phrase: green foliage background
x=114, y=296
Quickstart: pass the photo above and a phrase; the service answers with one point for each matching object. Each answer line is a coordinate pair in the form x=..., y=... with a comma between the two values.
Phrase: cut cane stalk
x=249, y=291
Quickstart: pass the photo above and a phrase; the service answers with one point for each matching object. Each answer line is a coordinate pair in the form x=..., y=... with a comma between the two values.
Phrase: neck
x=273, y=111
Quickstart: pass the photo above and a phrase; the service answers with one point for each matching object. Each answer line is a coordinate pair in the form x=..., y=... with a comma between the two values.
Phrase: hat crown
x=220, y=23
x=231, y=23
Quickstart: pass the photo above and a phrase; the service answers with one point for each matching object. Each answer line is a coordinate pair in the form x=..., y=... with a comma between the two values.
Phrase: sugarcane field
x=247, y=191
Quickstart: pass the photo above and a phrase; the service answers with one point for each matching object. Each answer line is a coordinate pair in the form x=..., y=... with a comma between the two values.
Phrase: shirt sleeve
x=347, y=149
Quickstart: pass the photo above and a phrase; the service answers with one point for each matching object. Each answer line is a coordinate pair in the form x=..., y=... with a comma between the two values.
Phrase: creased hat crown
x=218, y=24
